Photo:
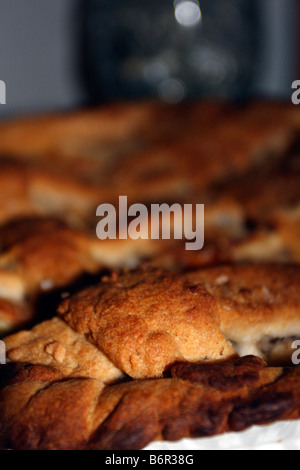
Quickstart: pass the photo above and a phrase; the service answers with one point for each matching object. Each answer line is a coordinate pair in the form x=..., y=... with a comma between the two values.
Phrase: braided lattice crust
x=146, y=355
x=45, y=410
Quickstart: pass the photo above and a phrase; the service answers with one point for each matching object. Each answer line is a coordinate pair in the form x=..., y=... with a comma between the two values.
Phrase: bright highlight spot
x=156, y=71
x=187, y=12
x=172, y=91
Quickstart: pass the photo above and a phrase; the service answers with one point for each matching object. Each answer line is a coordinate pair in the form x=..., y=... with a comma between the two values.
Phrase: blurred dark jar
x=171, y=49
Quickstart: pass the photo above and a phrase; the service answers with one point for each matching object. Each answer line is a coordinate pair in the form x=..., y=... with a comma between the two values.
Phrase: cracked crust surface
x=146, y=320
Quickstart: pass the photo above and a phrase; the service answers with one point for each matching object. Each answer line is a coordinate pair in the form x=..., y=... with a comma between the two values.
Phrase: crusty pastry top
x=254, y=301
x=43, y=254
x=146, y=320
x=53, y=343
x=66, y=384
x=13, y=314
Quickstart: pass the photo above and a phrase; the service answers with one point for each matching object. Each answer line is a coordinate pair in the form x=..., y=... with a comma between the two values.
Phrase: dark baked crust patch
x=233, y=375
x=130, y=415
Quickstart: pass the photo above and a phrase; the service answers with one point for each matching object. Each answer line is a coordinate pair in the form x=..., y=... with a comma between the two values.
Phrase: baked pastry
x=232, y=144
x=28, y=191
x=259, y=307
x=255, y=307
x=199, y=401
x=152, y=353
x=142, y=330
x=97, y=148
x=41, y=255
x=13, y=315
x=98, y=417
x=54, y=344
x=38, y=255
x=127, y=326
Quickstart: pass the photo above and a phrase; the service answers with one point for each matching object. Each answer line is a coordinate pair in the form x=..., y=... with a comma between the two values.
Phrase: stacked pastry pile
x=150, y=352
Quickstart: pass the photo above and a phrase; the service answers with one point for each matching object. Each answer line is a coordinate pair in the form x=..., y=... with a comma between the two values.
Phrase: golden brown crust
x=54, y=344
x=99, y=147
x=31, y=191
x=241, y=141
x=88, y=146
x=14, y=201
x=146, y=320
x=39, y=406
x=45, y=135
x=46, y=259
x=42, y=254
x=254, y=301
x=140, y=323
x=38, y=255
x=13, y=315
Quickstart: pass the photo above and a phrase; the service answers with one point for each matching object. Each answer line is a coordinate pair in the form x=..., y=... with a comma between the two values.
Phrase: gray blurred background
x=40, y=53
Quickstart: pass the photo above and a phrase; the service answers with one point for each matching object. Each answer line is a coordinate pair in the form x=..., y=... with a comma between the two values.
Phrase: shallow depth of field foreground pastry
x=126, y=364
x=113, y=344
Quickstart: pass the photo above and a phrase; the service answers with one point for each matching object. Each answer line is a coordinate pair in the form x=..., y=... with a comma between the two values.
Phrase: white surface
x=278, y=436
